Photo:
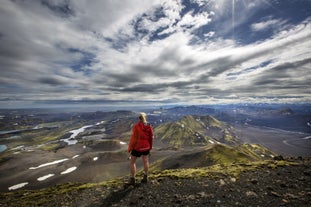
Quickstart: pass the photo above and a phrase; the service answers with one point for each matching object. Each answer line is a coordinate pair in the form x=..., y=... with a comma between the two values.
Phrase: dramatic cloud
x=271, y=23
x=175, y=51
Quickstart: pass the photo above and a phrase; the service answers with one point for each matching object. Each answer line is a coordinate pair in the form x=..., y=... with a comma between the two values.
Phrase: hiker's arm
x=132, y=140
x=151, y=137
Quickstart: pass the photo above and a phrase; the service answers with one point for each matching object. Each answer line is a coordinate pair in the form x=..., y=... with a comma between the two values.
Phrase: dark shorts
x=138, y=154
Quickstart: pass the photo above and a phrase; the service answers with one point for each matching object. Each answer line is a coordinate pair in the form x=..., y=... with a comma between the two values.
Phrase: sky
x=133, y=52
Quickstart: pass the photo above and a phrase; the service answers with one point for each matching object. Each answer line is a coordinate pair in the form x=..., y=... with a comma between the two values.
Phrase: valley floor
x=286, y=143
x=95, y=163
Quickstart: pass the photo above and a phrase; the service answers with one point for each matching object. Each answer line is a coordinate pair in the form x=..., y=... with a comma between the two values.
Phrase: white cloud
x=264, y=25
x=194, y=20
x=108, y=16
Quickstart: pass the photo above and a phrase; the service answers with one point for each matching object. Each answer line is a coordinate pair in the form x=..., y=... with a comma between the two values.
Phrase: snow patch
x=45, y=177
x=75, y=156
x=100, y=123
x=114, y=121
x=122, y=143
x=69, y=170
x=95, y=158
x=17, y=186
x=37, y=127
x=49, y=163
x=308, y=137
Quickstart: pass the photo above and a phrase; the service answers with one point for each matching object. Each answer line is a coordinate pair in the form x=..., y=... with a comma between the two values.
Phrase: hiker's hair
x=142, y=117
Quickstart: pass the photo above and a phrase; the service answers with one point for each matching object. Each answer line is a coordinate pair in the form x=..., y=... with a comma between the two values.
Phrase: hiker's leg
x=146, y=168
x=133, y=166
x=146, y=163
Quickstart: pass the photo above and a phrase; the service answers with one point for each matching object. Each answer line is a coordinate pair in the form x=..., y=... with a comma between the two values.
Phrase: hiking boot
x=132, y=181
x=145, y=179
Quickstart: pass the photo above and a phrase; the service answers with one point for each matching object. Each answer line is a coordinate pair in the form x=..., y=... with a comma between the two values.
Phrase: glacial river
x=71, y=140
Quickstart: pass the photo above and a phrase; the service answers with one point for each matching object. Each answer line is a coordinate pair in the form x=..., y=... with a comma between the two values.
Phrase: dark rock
x=279, y=157
x=275, y=194
x=283, y=185
x=307, y=172
x=302, y=178
x=290, y=196
x=251, y=194
x=270, y=188
x=254, y=181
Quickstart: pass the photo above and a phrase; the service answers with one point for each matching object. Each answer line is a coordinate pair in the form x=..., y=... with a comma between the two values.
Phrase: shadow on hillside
x=116, y=196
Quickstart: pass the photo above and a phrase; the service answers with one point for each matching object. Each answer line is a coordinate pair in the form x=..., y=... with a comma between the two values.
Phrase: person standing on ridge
x=140, y=145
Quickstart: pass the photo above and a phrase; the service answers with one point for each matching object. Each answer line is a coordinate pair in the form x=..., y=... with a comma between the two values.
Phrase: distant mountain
x=191, y=110
x=285, y=111
x=253, y=111
x=112, y=115
x=193, y=130
x=291, y=117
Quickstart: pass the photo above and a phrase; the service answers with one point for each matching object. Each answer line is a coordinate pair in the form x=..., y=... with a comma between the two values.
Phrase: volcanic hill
x=195, y=130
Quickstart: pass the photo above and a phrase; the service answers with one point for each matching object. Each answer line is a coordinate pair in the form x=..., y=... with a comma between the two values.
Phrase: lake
x=3, y=148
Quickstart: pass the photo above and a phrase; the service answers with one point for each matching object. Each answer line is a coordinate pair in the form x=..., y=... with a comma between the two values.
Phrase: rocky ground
x=276, y=183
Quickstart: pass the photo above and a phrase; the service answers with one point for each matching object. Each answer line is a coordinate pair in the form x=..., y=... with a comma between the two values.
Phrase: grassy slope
x=213, y=155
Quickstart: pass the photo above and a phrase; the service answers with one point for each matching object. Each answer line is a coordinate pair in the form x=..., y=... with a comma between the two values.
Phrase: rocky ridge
x=277, y=182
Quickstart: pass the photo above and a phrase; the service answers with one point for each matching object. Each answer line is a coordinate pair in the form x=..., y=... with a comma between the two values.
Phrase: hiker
x=140, y=145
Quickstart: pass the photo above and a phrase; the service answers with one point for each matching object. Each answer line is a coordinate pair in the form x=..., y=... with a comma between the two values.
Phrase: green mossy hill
x=177, y=134
x=227, y=169
x=193, y=130
x=222, y=154
x=214, y=154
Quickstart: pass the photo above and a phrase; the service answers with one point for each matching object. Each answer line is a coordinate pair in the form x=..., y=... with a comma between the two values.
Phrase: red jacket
x=142, y=137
